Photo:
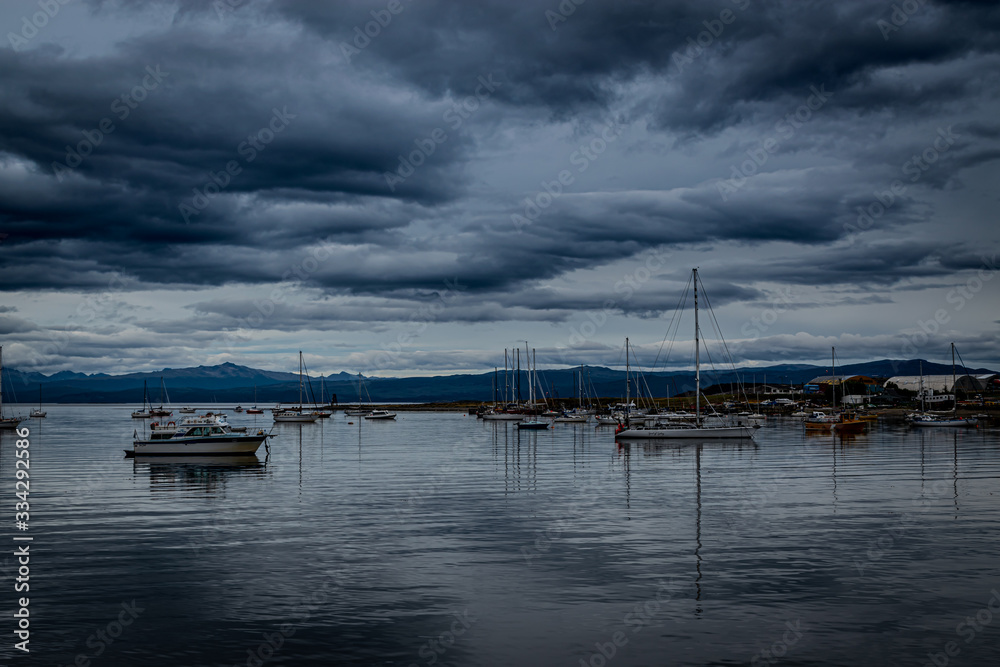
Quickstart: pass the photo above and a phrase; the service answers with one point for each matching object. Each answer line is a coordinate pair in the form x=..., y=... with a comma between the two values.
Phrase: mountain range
x=232, y=383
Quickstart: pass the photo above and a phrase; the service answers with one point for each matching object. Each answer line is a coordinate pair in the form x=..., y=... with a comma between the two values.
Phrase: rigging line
x=676, y=316
x=725, y=346
x=954, y=390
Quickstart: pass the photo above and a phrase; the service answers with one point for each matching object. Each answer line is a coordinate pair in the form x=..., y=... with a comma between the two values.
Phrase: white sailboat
x=254, y=410
x=530, y=421
x=6, y=423
x=295, y=414
x=39, y=413
x=699, y=429
x=144, y=411
x=924, y=420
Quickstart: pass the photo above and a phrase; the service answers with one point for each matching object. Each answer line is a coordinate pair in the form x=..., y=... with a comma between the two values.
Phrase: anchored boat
x=701, y=428
x=198, y=436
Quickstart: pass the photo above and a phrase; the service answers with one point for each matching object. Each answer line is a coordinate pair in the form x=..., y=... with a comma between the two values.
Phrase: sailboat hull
x=946, y=423
x=503, y=416
x=709, y=433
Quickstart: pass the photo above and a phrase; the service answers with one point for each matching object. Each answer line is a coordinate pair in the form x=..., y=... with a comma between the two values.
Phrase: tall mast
x=833, y=380
x=697, y=355
x=517, y=378
x=527, y=358
x=506, y=377
x=300, y=380
x=628, y=385
x=1, y=381
x=954, y=382
x=921, y=386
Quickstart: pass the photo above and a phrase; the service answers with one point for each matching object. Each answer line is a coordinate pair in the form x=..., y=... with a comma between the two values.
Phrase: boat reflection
x=202, y=473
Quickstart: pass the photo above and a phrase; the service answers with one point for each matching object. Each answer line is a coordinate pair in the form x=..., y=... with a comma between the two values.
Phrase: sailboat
x=39, y=413
x=954, y=421
x=160, y=411
x=361, y=409
x=579, y=415
x=321, y=411
x=841, y=423
x=530, y=421
x=254, y=410
x=686, y=430
x=6, y=423
x=510, y=410
x=295, y=414
x=144, y=412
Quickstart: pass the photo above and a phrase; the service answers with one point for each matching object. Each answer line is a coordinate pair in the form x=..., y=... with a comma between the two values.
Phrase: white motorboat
x=6, y=423
x=188, y=411
x=380, y=414
x=197, y=439
x=681, y=430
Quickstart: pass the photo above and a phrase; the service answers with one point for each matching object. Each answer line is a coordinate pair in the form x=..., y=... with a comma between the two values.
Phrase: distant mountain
x=232, y=383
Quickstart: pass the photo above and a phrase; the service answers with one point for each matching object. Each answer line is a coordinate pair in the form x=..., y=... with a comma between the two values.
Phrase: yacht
x=701, y=429
x=201, y=437
x=380, y=414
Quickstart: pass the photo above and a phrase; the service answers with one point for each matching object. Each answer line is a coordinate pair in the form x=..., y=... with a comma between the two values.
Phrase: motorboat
x=190, y=411
x=380, y=414
x=238, y=408
x=294, y=415
x=197, y=439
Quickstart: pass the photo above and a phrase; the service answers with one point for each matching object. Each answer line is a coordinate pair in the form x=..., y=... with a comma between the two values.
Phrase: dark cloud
x=311, y=211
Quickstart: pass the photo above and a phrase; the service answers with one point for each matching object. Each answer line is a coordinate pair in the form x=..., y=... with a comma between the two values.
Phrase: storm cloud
x=190, y=182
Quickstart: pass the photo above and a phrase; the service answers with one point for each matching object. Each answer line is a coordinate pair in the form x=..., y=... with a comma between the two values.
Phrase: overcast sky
x=187, y=183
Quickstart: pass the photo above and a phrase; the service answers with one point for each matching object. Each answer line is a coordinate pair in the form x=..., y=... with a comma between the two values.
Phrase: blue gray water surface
x=440, y=539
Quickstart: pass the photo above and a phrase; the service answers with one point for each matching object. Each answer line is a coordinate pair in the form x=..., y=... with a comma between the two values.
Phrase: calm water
x=440, y=539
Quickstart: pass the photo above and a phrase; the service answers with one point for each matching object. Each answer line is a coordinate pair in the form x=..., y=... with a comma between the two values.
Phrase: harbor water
x=440, y=539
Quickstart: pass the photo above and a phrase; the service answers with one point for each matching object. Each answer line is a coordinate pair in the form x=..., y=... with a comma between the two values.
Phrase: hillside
x=232, y=383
